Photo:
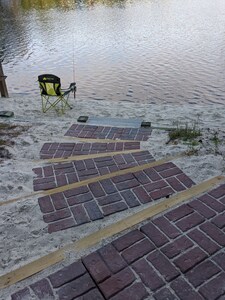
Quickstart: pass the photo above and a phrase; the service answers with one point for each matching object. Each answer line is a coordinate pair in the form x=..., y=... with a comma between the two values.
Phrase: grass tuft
x=184, y=133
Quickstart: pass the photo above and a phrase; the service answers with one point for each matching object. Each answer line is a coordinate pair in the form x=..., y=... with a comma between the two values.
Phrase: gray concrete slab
x=103, y=121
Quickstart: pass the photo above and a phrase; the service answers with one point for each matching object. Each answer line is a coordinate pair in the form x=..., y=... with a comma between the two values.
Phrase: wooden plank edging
x=144, y=214
x=98, y=140
x=109, y=231
x=112, y=174
x=94, y=179
x=31, y=268
x=88, y=156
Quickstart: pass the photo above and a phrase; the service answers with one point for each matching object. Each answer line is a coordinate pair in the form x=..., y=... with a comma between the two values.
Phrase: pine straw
x=8, y=133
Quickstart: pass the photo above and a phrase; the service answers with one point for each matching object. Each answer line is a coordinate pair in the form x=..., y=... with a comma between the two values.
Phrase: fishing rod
x=74, y=82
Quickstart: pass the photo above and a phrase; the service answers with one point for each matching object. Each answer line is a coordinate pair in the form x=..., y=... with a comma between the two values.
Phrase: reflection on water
x=168, y=51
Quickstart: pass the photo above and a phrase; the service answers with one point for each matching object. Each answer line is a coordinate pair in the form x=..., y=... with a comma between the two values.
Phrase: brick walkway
x=99, y=199
x=52, y=176
x=113, y=133
x=179, y=255
x=62, y=150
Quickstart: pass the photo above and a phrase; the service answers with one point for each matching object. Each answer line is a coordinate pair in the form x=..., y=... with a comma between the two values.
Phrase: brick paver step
x=105, y=132
x=177, y=255
x=64, y=150
x=56, y=175
x=99, y=199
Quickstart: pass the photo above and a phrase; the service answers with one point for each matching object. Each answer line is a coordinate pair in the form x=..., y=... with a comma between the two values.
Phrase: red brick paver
x=55, y=175
x=104, y=132
x=63, y=150
x=105, y=197
x=159, y=260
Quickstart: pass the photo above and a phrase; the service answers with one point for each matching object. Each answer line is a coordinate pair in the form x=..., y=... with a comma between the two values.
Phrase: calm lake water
x=154, y=51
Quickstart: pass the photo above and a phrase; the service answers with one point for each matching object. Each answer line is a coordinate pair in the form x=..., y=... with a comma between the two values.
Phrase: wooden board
x=82, y=157
x=31, y=269
x=109, y=231
x=110, y=175
x=98, y=140
x=94, y=179
x=145, y=214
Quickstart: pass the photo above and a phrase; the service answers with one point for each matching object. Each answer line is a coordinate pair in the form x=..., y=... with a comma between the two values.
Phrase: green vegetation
x=185, y=133
x=215, y=139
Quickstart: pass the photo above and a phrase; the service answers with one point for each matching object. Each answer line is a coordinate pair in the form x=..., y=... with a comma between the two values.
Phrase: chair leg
x=66, y=104
x=46, y=104
x=43, y=104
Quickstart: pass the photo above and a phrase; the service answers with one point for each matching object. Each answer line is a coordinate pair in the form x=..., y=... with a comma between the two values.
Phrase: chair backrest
x=49, y=84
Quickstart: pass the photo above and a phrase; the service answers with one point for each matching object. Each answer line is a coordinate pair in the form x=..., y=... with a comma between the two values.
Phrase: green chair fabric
x=53, y=97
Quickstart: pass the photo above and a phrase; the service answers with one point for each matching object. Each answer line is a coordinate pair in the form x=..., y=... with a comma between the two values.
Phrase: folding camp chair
x=51, y=93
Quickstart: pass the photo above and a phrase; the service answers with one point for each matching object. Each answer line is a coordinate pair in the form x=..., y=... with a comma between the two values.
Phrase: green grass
x=185, y=134
x=215, y=139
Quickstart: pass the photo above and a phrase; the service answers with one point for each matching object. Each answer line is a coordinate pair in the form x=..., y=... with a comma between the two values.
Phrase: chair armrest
x=71, y=88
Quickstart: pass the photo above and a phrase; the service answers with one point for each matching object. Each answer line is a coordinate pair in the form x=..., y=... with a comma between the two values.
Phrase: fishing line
x=73, y=41
x=73, y=58
x=74, y=90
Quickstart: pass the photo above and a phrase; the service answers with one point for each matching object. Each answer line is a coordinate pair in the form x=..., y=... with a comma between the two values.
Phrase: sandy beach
x=23, y=234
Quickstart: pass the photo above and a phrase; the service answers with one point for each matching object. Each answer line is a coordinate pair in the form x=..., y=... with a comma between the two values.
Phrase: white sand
x=23, y=233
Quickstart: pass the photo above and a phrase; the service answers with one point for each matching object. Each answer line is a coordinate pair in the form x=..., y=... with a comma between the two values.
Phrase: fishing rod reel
x=73, y=88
